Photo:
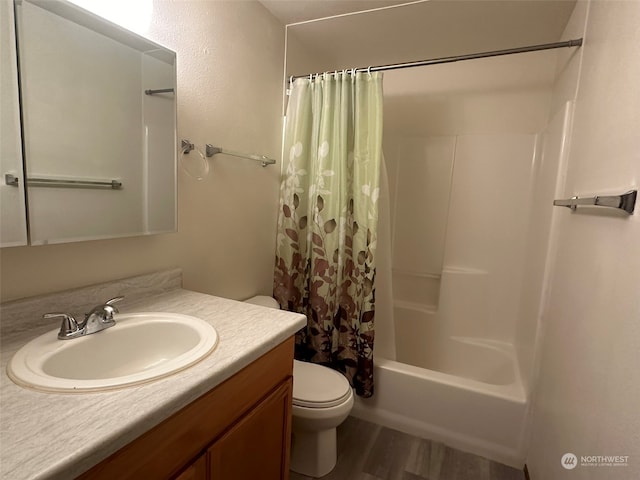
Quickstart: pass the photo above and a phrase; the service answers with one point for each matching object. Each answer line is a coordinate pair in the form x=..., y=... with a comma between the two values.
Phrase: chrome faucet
x=97, y=319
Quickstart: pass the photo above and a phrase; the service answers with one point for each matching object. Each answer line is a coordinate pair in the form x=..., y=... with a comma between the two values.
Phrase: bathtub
x=477, y=405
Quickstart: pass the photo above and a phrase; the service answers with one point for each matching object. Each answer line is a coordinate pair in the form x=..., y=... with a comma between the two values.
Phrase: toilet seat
x=316, y=386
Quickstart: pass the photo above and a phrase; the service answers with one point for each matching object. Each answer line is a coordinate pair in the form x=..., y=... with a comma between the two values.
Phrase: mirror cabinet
x=92, y=149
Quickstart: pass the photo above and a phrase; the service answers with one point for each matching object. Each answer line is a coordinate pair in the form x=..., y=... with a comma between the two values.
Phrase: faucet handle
x=110, y=309
x=113, y=300
x=69, y=327
x=105, y=311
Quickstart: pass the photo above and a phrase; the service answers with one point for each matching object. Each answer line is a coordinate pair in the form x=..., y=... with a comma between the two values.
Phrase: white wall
x=486, y=234
x=587, y=395
x=487, y=96
x=230, y=67
x=546, y=177
x=424, y=177
x=481, y=118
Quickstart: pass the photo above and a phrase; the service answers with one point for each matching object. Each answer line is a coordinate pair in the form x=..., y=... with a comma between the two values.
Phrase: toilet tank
x=263, y=301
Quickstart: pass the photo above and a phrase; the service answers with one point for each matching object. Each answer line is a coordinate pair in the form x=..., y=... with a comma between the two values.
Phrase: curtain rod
x=458, y=58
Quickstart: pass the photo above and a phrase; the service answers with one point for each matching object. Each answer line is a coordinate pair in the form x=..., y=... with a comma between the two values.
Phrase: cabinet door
x=257, y=447
x=196, y=471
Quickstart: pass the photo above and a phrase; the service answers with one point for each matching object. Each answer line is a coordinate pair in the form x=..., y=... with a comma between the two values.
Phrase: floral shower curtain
x=327, y=225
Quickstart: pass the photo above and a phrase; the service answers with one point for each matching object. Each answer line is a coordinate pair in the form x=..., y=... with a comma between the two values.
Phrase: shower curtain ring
x=369, y=70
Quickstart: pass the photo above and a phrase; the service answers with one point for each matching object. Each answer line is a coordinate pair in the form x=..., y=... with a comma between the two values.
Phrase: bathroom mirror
x=99, y=126
x=13, y=219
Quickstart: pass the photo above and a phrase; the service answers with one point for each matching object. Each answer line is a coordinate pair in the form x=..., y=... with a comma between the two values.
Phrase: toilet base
x=313, y=454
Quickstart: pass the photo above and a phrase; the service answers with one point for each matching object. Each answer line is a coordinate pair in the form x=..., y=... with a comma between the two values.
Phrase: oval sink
x=140, y=347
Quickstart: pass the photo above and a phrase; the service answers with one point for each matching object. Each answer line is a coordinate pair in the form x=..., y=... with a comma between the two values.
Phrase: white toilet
x=322, y=400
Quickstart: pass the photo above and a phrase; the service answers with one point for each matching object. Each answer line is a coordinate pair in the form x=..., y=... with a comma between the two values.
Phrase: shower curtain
x=327, y=223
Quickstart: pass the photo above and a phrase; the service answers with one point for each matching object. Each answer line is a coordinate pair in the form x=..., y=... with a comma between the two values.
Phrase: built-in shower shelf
x=410, y=273
x=421, y=307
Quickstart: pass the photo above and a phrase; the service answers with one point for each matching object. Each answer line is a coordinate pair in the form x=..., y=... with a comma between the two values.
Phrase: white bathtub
x=470, y=398
x=450, y=379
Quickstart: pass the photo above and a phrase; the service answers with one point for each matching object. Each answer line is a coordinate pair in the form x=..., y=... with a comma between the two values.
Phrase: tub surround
x=47, y=435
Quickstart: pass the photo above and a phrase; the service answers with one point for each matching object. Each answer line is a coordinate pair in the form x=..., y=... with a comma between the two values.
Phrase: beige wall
x=230, y=63
x=586, y=401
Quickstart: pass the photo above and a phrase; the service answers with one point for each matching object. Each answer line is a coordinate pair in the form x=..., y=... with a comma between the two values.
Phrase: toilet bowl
x=322, y=400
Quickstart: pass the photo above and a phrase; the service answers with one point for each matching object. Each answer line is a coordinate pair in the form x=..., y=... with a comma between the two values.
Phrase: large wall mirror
x=13, y=218
x=98, y=125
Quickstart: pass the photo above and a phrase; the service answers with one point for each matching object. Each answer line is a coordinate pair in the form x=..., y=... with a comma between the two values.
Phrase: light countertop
x=50, y=435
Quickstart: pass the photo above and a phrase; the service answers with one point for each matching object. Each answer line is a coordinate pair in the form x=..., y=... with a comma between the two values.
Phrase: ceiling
x=293, y=11
x=412, y=31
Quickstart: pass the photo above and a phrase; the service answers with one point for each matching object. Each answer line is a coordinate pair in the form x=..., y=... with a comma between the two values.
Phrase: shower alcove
x=473, y=154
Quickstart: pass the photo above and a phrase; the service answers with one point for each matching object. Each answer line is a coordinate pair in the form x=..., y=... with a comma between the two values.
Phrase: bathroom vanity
x=238, y=430
x=228, y=416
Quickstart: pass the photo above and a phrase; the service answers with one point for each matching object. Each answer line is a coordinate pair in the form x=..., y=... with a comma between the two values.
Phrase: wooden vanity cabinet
x=198, y=470
x=240, y=430
x=253, y=448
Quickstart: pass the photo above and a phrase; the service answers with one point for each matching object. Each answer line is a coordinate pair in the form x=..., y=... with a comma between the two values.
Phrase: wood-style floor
x=367, y=451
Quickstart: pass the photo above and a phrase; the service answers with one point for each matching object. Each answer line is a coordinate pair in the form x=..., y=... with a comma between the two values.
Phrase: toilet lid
x=316, y=386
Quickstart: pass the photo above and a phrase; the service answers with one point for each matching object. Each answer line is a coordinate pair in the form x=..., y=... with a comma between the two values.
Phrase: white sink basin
x=139, y=348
